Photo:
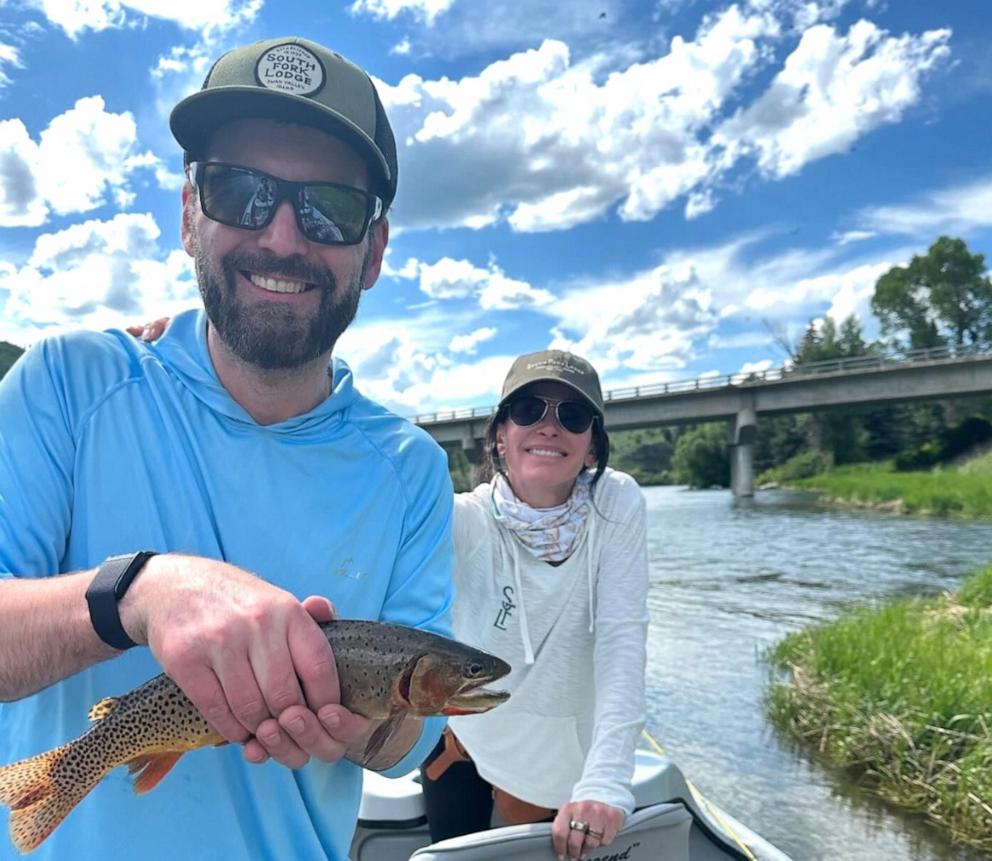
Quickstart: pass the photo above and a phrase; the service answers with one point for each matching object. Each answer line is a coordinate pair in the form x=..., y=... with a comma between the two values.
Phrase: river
x=728, y=579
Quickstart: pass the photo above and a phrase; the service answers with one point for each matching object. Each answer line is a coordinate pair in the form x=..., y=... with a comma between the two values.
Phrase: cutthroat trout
x=386, y=671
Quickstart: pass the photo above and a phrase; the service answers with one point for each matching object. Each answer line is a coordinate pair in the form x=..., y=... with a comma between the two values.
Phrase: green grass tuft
x=952, y=492
x=902, y=694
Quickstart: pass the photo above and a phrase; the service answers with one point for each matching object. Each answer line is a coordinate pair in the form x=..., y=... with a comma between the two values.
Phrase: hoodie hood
x=183, y=351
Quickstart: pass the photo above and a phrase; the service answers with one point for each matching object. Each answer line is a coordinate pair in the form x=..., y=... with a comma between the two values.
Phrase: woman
x=551, y=575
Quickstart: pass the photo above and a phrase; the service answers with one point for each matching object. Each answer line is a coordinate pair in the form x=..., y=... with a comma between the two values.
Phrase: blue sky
x=663, y=187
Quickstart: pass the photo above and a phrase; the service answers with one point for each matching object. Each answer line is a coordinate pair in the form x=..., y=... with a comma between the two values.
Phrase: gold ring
x=597, y=834
x=575, y=825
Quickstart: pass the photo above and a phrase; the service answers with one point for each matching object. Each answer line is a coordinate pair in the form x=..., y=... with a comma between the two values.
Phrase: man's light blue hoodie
x=109, y=445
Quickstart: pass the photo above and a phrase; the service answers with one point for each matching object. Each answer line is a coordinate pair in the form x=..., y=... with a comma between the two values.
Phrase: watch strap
x=111, y=582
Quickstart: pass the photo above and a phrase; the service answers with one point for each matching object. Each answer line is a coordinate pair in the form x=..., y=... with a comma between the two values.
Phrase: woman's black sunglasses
x=326, y=212
x=574, y=416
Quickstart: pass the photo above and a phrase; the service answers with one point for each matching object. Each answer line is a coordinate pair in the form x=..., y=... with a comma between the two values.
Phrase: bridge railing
x=454, y=415
x=873, y=362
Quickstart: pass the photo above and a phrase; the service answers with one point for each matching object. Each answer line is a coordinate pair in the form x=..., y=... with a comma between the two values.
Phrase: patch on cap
x=290, y=68
x=554, y=363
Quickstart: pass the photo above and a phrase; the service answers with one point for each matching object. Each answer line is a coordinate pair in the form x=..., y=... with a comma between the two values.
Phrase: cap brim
x=198, y=116
x=575, y=389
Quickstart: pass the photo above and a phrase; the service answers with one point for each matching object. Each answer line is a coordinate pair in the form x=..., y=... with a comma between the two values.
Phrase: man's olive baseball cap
x=557, y=366
x=293, y=80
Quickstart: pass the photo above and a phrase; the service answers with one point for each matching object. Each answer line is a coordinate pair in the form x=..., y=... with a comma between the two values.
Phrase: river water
x=730, y=579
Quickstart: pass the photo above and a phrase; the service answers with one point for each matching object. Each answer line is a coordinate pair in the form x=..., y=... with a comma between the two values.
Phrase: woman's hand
x=603, y=823
x=150, y=331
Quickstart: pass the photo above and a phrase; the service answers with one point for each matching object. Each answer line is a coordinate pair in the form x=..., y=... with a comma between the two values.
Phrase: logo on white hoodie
x=506, y=607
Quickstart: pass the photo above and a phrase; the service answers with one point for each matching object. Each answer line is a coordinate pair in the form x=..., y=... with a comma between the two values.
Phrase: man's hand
x=248, y=655
x=299, y=734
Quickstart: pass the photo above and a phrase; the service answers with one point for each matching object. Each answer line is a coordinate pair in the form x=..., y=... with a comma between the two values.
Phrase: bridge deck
x=919, y=375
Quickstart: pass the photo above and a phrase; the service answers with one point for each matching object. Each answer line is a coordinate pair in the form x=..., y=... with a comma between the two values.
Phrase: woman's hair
x=492, y=464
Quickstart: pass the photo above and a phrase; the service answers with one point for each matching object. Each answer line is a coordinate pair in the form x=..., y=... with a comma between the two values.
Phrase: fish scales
x=385, y=672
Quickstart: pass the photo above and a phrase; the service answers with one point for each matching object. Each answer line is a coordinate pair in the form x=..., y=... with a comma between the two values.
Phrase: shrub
x=803, y=465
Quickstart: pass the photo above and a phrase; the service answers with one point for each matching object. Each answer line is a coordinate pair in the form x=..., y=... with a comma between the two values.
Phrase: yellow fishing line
x=702, y=800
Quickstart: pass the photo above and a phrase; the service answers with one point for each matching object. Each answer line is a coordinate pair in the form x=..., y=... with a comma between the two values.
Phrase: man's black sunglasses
x=573, y=416
x=326, y=212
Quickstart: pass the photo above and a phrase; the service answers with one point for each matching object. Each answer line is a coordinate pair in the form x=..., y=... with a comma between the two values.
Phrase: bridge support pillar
x=740, y=446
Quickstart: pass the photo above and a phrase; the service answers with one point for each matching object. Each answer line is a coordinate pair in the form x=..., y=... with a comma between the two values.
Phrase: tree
x=850, y=339
x=943, y=297
x=9, y=354
x=778, y=439
x=460, y=469
x=701, y=457
x=838, y=432
x=822, y=341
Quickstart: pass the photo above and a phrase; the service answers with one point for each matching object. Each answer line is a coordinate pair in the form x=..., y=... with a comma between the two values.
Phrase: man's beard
x=272, y=335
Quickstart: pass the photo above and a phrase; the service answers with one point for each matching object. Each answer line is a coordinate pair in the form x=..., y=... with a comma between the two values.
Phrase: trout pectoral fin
x=150, y=770
x=381, y=735
x=104, y=708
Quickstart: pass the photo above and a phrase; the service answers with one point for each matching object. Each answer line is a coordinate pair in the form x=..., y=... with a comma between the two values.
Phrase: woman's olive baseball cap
x=557, y=366
x=293, y=80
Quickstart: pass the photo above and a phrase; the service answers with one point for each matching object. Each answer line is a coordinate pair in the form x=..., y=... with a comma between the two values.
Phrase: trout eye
x=474, y=669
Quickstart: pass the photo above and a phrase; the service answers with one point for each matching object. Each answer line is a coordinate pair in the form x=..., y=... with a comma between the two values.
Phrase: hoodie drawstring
x=524, y=629
x=590, y=570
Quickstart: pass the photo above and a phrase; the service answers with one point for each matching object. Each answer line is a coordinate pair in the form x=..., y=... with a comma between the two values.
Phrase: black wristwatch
x=108, y=587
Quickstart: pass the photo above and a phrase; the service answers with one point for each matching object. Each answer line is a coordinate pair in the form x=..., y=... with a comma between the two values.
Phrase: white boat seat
x=660, y=831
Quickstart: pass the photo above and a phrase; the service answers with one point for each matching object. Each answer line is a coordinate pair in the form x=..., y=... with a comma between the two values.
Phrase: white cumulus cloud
x=77, y=16
x=468, y=343
x=82, y=160
x=9, y=56
x=461, y=279
x=424, y=10
x=545, y=140
x=958, y=209
x=93, y=275
x=833, y=90
x=407, y=362
x=646, y=320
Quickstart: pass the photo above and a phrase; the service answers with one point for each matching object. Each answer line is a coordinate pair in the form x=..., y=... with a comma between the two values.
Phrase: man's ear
x=378, y=240
x=188, y=217
x=591, y=458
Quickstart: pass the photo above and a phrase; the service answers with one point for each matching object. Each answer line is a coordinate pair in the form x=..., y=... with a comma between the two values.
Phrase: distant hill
x=8, y=355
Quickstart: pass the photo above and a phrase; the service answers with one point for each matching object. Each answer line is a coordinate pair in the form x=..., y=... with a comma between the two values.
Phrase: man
x=238, y=450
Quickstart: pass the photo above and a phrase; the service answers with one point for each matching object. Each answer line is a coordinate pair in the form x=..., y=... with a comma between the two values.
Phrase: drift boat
x=672, y=822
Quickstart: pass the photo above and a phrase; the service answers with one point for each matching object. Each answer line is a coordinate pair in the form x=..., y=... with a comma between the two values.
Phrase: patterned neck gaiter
x=550, y=534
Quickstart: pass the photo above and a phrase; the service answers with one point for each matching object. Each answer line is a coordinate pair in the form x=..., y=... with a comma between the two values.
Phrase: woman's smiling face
x=543, y=460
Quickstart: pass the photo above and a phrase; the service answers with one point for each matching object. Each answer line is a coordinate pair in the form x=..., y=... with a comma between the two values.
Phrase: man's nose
x=282, y=235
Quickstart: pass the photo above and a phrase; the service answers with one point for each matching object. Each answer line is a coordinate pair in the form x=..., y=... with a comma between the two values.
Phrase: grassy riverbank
x=960, y=491
x=902, y=696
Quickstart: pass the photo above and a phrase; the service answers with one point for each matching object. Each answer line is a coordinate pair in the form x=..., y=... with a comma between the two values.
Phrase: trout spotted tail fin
x=40, y=795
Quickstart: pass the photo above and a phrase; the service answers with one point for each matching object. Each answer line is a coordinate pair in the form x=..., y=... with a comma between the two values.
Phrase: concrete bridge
x=739, y=399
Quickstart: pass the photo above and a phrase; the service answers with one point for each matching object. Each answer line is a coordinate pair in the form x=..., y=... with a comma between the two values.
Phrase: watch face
x=131, y=564
x=109, y=585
